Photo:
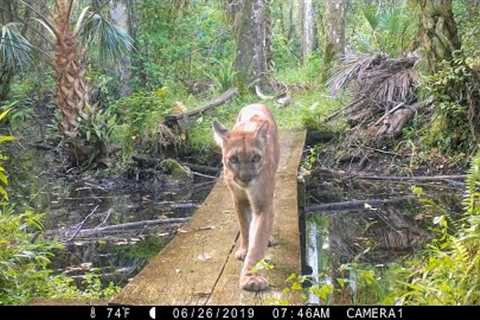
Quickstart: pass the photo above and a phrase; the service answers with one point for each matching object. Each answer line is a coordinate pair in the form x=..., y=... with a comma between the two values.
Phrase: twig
x=378, y=150
x=107, y=216
x=80, y=225
x=394, y=178
x=92, y=185
x=352, y=205
x=188, y=205
x=400, y=105
x=201, y=168
x=203, y=175
x=259, y=93
x=215, y=102
x=336, y=113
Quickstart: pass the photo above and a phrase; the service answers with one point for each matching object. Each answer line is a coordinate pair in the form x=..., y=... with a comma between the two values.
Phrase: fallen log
x=393, y=121
x=215, y=102
x=353, y=175
x=129, y=226
x=352, y=205
x=116, y=228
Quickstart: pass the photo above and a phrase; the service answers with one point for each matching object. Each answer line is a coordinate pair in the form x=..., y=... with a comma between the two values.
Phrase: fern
x=447, y=271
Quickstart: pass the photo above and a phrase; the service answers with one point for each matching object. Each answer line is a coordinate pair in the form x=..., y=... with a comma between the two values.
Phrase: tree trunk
x=307, y=20
x=334, y=31
x=291, y=23
x=120, y=16
x=253, y=41
x=72, y=93
x=6, y=77
x=439, y=36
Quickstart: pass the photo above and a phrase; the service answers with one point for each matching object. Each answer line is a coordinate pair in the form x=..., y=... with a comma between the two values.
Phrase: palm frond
x=379, y=77
x=80, y=20
x=370, y=14
x=108, y=41
x=15, y=49
x=380, y=87
x=352, y=67
x=47, y=27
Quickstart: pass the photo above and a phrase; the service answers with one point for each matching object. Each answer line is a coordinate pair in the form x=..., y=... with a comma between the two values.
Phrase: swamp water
x=371, y=236
x=74, y=204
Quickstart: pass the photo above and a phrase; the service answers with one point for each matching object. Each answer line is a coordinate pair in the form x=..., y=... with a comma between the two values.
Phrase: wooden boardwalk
x=198, y=266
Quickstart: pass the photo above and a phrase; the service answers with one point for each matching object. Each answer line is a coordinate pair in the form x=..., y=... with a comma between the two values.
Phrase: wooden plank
x=198, y=265
x=187, y=268
x=285, y=254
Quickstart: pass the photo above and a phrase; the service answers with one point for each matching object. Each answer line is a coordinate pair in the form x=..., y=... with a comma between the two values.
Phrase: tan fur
x=250, y=159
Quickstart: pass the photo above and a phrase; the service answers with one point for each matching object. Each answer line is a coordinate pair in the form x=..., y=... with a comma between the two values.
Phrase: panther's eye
x=234, y=160
x=256, y=158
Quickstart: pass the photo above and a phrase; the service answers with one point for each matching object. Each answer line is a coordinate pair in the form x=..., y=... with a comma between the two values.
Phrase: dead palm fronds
x=381, y=88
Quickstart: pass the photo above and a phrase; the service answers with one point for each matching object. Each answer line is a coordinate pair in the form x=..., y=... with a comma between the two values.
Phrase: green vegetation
x=25, y=258
x=90, y=87
x=445, y=272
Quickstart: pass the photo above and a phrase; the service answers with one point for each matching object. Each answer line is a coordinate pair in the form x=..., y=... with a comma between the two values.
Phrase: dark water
x=99, y=199
x=373, y=236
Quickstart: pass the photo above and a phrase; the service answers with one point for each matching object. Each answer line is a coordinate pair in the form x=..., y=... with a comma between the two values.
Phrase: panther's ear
x=219, y=133
x=262, y=132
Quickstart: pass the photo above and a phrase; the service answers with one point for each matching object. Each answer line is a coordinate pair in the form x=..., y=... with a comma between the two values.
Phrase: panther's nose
x=245, y=180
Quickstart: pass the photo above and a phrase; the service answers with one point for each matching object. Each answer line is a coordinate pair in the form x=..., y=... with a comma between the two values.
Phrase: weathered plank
x=198, y=265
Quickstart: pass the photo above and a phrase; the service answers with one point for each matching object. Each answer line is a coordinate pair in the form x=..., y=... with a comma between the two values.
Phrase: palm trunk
x=6, y=77
x=72, y=93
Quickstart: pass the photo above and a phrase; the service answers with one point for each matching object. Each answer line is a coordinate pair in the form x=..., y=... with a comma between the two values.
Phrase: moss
x=175, y=169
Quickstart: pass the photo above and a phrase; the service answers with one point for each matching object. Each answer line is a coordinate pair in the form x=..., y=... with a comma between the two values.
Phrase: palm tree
x=72, y=39
x=15, y=54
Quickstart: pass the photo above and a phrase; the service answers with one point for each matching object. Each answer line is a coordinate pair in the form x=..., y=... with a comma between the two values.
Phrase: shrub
x=450, y=87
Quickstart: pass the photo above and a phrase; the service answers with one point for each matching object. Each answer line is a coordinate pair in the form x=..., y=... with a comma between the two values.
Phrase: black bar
x=107, y=312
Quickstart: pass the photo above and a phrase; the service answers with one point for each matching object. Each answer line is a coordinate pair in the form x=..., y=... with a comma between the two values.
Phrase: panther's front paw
x=251, y=282
x=241, y=253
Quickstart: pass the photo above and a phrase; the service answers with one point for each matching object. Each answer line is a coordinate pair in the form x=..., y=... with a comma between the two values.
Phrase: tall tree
x=70, y=42
x=253, y=35
x=307, y=21
x=439, y=37
x=121, y=15
x=334, y=30
x=72, y=93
